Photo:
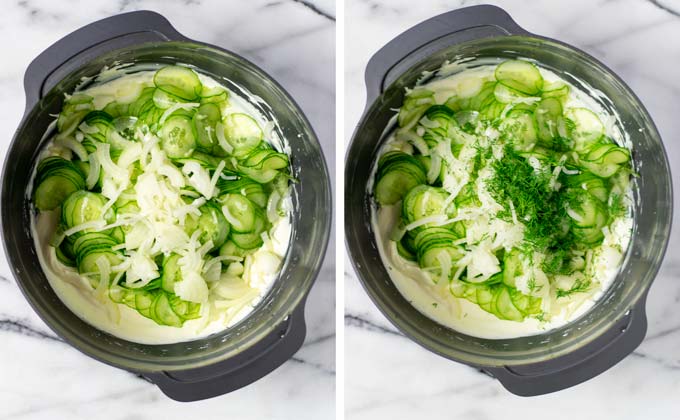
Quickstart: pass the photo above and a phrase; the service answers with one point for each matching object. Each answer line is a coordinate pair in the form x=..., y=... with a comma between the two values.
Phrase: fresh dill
x=557, y=260
x=617, y=206
x=578, y=287
x=533, y=287
x=541, y=209
x=482, y=156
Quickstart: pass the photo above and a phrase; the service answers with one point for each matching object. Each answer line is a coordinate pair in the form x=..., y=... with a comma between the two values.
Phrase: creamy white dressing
x=233, y=296
x=436, y=301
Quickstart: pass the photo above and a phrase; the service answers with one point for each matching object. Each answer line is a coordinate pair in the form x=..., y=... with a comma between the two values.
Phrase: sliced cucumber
x=205, y=119
x=243, y=133
x=504, y=306
x=548, y=115
x=398, y=173
x=587, y=211
x=252, y=239
x=424, y=201
x=178, y=81
x=144, y=301
x=164, y=100
x=416, y=103
x=84, y=206
x=177, y=137
x=240, y=212
x=74, y=110
x=162, y=312
x=507, y=95
x=56, y=179
x=232, y=250
x=404, y=252
x=521, y=129
x=171, y=273
x=211, y=223
x=557, y=90
x=521, y=76
x=244, y=186
x=588, y=128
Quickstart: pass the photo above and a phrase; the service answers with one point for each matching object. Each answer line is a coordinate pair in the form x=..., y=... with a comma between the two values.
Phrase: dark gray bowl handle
x=431, y=35
x=579, y=366
x=239, y=371
x=105, y=35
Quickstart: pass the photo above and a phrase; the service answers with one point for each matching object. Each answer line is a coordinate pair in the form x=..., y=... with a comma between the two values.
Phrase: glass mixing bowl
x=275, y=329
x=616, y=324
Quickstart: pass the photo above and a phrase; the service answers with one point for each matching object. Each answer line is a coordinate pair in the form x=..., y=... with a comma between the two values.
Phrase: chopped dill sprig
x=482, y=156
x=569, y=124
x=579, y=286
x=617, y=206
x=540, y=208
x=533, y=287
x=558, y=257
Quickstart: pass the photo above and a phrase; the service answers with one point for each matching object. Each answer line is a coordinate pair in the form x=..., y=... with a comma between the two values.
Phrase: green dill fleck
x=435, y=304
x=533, y=287
x=562, y=144
x=617, y=207
x=482, y=155
x=541, y=209
x=578, y=287
x=557, y=261
x=468, y=127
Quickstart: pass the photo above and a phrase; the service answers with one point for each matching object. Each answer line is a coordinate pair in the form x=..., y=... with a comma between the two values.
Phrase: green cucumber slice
x=56, y=179
x=164, y=100
x=424, y=201
x=243, y=133
x=84, y=206
x=72, y=113
x=397, y=174
x=240, y=212
x=144, y=301
x=232, y=250
x=178, y=81
x=177, y=137
x=211, y=223
x=587, y=130
x=416, y=102
x=244, y=186
x=521, y=129
x=163, y=313
x=252, y=239
x=521, y=76
x=548, y=115
x=205, y=119
x=507, y=95
x=587, y=211
x=505, y=308
x=171, y=273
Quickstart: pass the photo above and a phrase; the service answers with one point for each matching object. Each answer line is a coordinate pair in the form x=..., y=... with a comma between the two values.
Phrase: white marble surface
x=390, y=377
x=44, y=378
